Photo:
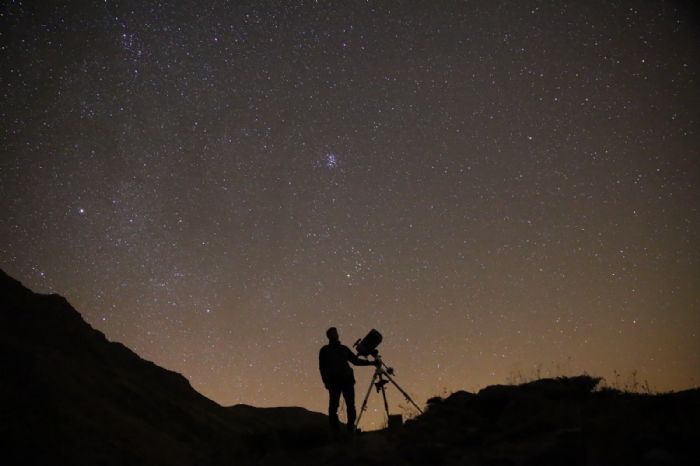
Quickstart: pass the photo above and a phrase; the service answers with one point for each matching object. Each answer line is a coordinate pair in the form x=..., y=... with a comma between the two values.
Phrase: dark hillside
x=72, y=397
x=558, y=421
x=563, y=421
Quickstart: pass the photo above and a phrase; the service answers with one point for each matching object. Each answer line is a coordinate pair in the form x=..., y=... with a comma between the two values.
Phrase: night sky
x=503, y=189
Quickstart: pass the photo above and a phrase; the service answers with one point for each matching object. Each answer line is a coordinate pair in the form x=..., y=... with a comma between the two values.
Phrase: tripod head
x=382, y=368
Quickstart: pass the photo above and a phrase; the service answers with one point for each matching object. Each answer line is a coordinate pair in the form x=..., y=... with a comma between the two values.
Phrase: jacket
x=333, y=363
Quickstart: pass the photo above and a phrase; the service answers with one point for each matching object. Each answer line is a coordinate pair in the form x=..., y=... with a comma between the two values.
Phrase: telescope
x=368, y=345
x=383, y=374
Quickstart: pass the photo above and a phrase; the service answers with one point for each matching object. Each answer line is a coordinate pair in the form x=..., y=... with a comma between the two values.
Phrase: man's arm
x=353, y=358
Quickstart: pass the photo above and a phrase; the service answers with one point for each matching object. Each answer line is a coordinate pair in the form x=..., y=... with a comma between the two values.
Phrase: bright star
x=331, y=160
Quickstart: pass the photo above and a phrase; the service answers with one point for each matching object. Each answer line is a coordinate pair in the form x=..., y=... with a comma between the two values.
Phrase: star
x=331, y=160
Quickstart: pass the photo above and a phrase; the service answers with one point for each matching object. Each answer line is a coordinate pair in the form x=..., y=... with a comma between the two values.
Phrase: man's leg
x=333, y=402
x=349, y=397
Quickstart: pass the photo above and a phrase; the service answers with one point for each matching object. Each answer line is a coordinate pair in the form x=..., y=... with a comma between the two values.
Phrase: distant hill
x=68, y=396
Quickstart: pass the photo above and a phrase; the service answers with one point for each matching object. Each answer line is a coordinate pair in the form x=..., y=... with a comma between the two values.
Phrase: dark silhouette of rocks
x=557, y=421
x=564, y=421
x=69, y=396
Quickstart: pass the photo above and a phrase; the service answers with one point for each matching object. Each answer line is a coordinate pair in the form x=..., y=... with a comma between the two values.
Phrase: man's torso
x=334, y=364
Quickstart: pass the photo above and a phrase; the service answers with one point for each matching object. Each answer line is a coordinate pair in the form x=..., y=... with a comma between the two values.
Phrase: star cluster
x=503, y=189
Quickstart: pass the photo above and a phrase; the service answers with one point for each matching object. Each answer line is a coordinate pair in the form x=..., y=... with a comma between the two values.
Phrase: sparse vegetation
x=630, y=383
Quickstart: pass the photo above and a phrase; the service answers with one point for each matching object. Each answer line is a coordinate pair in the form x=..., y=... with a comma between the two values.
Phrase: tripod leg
x=386, y=404
x=408, y=398
x=364, y=403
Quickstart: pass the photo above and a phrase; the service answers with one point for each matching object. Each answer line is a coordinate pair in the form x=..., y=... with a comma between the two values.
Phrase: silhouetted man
x=338, y=377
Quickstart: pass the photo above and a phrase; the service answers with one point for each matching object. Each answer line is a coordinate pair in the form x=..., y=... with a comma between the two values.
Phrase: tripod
x=382, y=376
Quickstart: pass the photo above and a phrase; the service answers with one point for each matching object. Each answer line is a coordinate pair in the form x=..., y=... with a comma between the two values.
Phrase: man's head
x=332, y=334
